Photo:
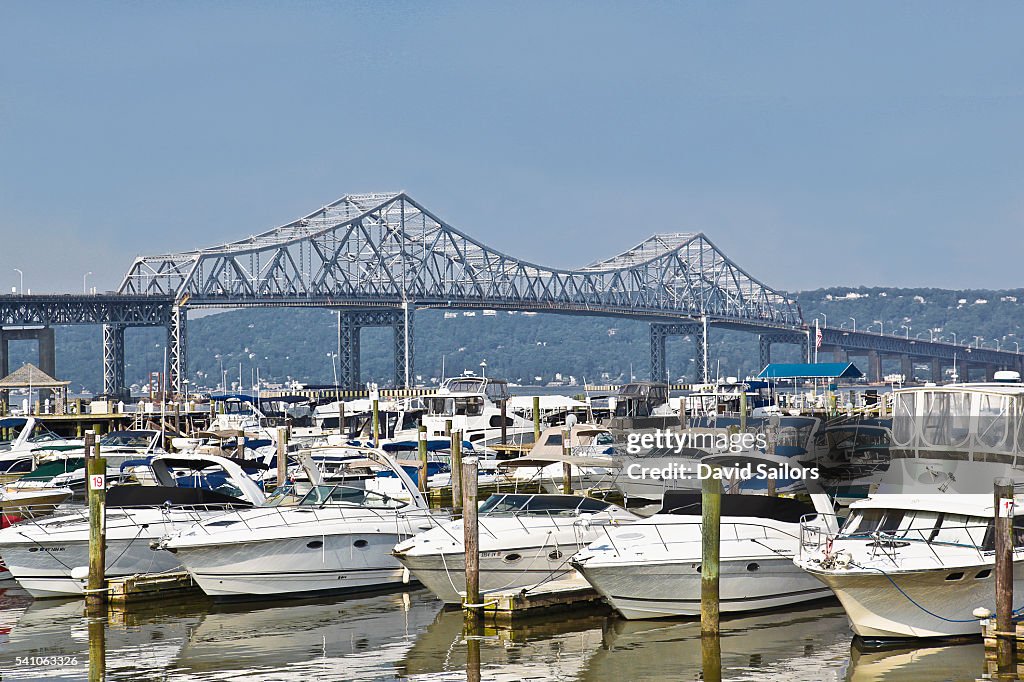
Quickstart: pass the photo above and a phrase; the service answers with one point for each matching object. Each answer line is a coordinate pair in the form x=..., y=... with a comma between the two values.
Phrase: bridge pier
x=349, y=328
x=874, y=366
x=936, y=367
x=907, y=368
x=177, y=355
x=113, y=361
x=765, y=341
x=47, y=353
x=660, y=331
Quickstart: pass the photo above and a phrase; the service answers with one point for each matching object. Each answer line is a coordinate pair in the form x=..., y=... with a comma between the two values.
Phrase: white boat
x=43, y=554
x=906, y=566
x=524, y=540
x=652, y=569
x=30, y=502
x=589, y=465
x=337, y=539
x=472, y=405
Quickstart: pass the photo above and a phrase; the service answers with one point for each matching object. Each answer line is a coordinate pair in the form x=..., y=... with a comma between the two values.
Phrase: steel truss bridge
x=377, y=258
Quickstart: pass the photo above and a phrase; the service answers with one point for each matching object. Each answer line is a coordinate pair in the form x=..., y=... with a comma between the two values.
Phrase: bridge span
x=377, y=258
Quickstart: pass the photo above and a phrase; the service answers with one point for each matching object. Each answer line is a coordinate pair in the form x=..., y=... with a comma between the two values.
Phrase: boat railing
x=887, y=544
x=761, y=532
x=117, y=517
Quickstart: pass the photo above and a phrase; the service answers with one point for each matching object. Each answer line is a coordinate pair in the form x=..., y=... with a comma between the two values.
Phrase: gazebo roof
x=30, y=376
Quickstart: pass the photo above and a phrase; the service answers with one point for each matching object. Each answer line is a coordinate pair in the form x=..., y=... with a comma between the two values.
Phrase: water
x=409, y=636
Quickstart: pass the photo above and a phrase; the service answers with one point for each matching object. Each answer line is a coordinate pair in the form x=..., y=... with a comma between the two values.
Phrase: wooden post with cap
x=711, y=517
x=96, y=470
x=471, y=538
x=456, y=472
x=1005, y=643
x=421, y=433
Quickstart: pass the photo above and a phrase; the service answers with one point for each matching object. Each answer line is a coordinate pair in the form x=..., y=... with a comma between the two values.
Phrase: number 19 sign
x=97, y=482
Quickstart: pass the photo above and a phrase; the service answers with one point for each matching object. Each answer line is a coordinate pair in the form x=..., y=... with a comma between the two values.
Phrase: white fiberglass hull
x=664, y=590
x=295, y=566
x=445, y=576
x=941, y=607
x=41, y=555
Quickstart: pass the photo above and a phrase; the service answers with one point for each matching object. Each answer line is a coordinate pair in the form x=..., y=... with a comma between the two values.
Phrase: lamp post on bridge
x=824, y=319
x=854, y=323
x=21, y=281
x=85, y=288
x=903, y=326
x=881, y=327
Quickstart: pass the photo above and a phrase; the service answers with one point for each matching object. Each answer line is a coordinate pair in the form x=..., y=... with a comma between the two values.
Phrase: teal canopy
x=801, y=370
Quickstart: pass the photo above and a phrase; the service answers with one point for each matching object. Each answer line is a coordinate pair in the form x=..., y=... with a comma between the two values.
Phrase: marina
x=444, y=342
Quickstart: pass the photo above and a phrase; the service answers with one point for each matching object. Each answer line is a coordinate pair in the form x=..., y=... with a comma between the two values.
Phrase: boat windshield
x=343, y=495
x=552, y=505
x=127, y=439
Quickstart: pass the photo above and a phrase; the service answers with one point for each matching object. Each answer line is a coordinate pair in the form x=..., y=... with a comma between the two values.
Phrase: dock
x=150, y=587
x=505, y=606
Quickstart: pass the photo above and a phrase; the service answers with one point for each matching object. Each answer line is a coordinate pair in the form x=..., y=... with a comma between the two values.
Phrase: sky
x=817, y=144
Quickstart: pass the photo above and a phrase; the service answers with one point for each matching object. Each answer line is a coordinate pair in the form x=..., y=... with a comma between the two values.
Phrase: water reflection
x=409, y=636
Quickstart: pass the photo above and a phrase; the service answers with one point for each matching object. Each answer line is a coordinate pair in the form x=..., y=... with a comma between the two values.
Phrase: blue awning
x=821, y=370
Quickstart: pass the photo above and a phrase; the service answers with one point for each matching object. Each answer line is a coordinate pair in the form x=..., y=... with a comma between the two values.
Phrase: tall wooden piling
x=448, y=427
x=504, y=419
x=1003, y=498
x=341, y=418
x=471, y=538
x=96, y=470
x=376, y=423
x=456, y=469
x=282, y=455
x=743, y=409
x=711, y=517
x=566, y=467
x=422, y=446
x=536, y=419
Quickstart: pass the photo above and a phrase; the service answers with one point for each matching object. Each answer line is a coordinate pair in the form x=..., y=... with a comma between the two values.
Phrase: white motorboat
x=524, y=540
x=32, y=503
x=472, y=405
x=42, y=554
x=906, y=566
x=337, y=539
x=652, y=568
x=545, y=462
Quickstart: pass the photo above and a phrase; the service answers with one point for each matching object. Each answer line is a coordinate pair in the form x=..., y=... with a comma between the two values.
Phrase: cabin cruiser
x=31, y=435
x=652, y=568
x=473, y=406
x=858, y=456
x=32, y=503
x=906, y=566
x=586, y=454
x=524, y=540
x=643, y=405
x=338, y=538
x=43, y=554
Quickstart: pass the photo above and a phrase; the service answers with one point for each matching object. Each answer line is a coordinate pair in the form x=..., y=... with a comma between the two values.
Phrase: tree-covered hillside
x=297, y=343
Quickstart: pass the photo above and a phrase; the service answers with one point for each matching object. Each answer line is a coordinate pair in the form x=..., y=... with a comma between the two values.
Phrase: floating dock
x=503, y=606
x=149, y=587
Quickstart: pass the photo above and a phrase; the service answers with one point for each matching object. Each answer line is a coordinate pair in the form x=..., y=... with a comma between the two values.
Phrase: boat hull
x=672, y=589
x=295, y=566
x=445, y=575
x=878, y=610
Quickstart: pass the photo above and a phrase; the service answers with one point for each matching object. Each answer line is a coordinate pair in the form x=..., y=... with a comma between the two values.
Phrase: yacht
x=588, y=449
x=473, y=406
x=32, y=503
x=337, y=539
x=907, y=566
x=652, y=568
x=43, y=554
x=524, y=540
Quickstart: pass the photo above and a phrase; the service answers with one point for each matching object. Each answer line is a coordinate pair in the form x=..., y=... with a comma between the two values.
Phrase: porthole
x=982, y=574
x=697, y=568
x=512, y=558
x=753, y=566
x=359, y=544
x=955, y=576
x=555, y=555
x=315, y=544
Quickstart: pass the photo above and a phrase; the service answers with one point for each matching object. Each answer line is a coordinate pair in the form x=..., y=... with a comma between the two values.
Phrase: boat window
x=604, y=438
x=344, y=495
x=553, y=439
x=960, y=529
x=863, y=521
x=993, y=419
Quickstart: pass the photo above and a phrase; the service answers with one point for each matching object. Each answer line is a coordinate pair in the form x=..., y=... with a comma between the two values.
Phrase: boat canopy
x=687, y=503
x=802, y=370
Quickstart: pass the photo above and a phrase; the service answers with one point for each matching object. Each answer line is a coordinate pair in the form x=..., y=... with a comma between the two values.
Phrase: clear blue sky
x=816, y=143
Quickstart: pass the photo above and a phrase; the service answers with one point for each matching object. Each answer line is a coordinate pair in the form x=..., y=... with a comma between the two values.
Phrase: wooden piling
x=282, y=455
x=448, y=427
x=471, y=538
x=96, y=470
x=421, y=439
x=566, y=467
x=341, y=418
x=711, y=517
x=504, y=418
x=536, y=419
x=1003, y=494
x=240, y=446
x=376, y=422
x=743, y=409
x=97, y=626
x=456, y=469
